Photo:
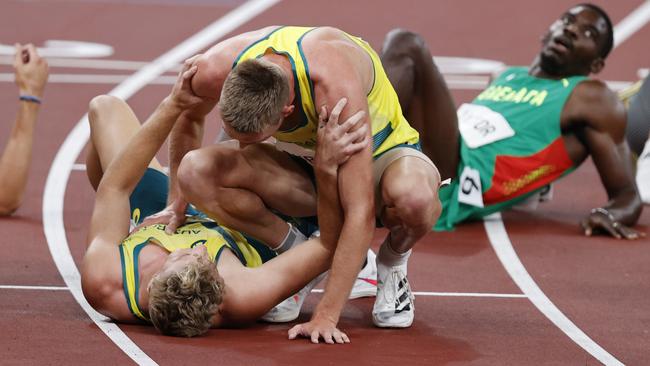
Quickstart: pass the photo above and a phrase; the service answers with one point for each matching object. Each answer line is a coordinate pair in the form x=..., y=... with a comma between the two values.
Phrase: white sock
x=294, y=236
x=388, y=257
x=643, y=173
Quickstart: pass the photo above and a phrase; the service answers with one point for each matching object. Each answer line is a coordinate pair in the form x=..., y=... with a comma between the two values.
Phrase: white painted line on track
x=636, y=20
x=500, y=241
x=454, y=294
x=92, y=79
x=57, y=179
x=40, y=288
x=87, y=63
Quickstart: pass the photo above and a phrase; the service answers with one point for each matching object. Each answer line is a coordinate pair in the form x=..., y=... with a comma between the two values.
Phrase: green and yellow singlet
x=389, y=127
x=197, y=231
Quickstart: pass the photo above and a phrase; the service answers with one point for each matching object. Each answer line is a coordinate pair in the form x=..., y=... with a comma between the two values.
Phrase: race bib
x=479, y=125
x=469, y=190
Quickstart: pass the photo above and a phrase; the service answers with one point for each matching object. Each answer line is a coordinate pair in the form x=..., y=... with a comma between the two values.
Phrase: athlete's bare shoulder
x=215, y=64
x=597, y=106
x=330, y=51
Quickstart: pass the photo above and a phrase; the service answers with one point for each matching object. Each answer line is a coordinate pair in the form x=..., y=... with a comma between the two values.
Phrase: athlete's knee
x=203, y=171
x=417, y=206
x=402, y=42
x=100, y=105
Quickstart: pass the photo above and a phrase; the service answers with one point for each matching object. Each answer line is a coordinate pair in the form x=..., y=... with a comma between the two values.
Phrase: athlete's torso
x=533, y=154
x=389, y=127
x=197, y=231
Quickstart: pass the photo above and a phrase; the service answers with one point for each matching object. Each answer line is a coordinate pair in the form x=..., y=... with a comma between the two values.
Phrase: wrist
x=28, y=98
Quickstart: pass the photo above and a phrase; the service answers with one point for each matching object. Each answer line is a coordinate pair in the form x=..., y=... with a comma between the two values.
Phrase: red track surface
x=601, y=284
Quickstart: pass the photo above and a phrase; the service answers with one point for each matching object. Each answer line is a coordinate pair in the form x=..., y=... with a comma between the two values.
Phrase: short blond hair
x=253, y=96
x=183, y=303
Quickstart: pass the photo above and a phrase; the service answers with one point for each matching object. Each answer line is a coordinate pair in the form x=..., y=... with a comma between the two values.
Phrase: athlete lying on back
x=204, y=274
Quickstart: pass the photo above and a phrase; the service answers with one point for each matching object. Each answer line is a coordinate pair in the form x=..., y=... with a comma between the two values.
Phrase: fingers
x=295, y=331
x=322, y=117
x=187, y=75
x=314, y=336
x=336, y=111
x=32, y=55
x=352, y=121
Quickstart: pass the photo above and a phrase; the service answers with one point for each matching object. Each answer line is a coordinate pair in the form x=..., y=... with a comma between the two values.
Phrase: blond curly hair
x=183, y=303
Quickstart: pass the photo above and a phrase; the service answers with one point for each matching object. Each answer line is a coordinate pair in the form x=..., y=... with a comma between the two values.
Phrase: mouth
x=562, y=43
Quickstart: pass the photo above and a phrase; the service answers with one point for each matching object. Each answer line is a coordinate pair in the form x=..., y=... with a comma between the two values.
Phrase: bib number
x=469, y=190
x=479, y=125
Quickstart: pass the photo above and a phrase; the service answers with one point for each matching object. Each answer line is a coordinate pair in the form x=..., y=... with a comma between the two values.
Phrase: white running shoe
x=395, y=303
x=289, y=309
x=643, y=174
x=366, y=282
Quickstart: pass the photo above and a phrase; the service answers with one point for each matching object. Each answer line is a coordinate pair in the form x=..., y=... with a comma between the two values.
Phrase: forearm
x=352, y=247
x=185, y=137
x=16, y=158
x=329, y=208
x=129, y=166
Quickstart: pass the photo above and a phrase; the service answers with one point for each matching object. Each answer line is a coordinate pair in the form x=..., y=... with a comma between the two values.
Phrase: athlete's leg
x=112, y=124
x=409, y=207
x=239, y=187
x=425, y=99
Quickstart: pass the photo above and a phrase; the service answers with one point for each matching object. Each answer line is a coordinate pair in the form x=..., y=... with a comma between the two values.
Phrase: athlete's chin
x=552, y=63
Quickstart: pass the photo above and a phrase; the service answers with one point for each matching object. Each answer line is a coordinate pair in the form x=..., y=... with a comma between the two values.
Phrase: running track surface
x=601, y=284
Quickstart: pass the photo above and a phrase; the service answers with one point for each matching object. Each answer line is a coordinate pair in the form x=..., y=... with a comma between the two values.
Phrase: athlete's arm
x=284, y=275
x=100, y=275
x=31, y=73
x=340, y=77
x=604, y=136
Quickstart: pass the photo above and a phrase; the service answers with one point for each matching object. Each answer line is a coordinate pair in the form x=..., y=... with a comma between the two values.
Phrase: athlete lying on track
x=203, y=275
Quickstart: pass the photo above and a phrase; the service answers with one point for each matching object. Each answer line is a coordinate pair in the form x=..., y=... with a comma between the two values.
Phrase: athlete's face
x=573, y=43
x=248, y=138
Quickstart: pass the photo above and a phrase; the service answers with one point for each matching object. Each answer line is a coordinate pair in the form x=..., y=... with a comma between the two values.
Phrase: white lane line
x=87, y=63
x=454, y=294
x=500, y=241
x=41, y=288
x=91, y=79
x=636, y=20
x=57, y=179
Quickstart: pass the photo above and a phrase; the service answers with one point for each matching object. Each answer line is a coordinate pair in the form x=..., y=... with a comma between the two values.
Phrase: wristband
x=30, y=98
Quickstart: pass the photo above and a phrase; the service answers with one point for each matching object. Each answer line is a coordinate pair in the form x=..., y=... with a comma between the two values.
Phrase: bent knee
x=205, y=170
x=417, y=207
x=102, y=103
x=401, y=41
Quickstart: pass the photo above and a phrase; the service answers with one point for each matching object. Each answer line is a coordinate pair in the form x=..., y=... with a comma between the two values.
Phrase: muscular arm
x=603, y=134
x=355, y=187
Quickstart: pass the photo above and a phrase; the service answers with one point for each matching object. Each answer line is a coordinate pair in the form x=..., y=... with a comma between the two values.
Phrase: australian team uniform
x=149, y=197
x=511, y=145
x=389, y=127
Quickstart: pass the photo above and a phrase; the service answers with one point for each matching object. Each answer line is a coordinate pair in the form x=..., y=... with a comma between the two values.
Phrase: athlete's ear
x=597, y=65
x=287, y=110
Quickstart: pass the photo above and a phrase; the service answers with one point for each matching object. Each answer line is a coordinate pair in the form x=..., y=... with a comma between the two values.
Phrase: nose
x=571, y=31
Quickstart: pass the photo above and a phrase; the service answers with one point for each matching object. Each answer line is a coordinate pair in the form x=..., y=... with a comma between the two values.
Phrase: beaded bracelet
x=30, y=98
x=604, y=212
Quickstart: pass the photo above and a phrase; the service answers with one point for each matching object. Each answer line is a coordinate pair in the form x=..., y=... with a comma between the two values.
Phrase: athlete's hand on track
x=173, y=216
x=31, y=70
x=600, y=220
x=335, y=141
x=316, y=329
